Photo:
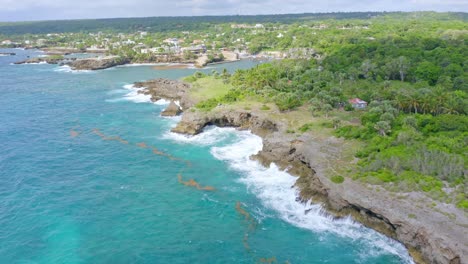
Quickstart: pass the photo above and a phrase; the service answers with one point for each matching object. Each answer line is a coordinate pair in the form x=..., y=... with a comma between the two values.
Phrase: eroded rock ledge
x=98, y=63
x=428, y=233
x=49, y=60
x=167, y=89
x=430, y=236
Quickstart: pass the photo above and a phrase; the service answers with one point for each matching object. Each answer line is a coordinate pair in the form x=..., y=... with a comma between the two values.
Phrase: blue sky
x=17, y=10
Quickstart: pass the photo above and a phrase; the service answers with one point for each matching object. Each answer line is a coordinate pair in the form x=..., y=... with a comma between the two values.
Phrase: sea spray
x=275, y=190
x=68, y=69
x=132, y=95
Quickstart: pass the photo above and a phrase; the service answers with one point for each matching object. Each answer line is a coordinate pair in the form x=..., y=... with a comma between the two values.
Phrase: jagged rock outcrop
x=97, y=63
x=49, y=60
x=192, y=123
x=436, y=234
x=167, y=89
x=60, y=50
x=430, y=236
x=172, y=110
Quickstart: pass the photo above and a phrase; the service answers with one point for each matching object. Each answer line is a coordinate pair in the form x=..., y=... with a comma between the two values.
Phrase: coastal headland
x=431, y=236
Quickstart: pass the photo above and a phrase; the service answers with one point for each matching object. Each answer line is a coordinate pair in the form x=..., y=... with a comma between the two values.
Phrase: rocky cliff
x=432, y=233
x=97, y=63
x=167, y=89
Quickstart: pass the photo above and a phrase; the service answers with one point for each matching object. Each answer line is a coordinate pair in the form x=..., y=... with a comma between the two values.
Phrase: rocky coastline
x=98, y=63
x=56, y=56
x=7, y=54
x=48, y=60
x=436, y=234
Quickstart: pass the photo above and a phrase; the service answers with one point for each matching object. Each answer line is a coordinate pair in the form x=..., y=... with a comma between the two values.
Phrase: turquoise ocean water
x=89, y=174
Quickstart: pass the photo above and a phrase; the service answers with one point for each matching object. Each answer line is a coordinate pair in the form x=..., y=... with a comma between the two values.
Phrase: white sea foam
x=162, y=102
x=117, y=91
x=132, y=95
x=174, y=120
x=210, y=136
x=274, y=188
x=34, y=63
x=141, y=64
x=129, y=87
x=66, y=68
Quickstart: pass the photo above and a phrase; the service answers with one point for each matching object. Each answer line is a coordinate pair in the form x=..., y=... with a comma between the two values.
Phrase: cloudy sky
x=18, y=10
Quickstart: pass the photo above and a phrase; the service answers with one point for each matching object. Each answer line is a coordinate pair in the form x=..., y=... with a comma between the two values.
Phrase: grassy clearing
x=208, y=88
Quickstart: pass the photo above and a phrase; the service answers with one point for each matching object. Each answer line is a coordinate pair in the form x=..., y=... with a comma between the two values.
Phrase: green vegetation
x=337, y=179
x=412, y=72
x=211, y=91
x=411, y=69
x=164, y=24
x=265, y=107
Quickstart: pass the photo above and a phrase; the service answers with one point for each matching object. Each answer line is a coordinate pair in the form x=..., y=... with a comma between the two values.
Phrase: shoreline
x=422, y=236
x=429, y=236
x=106, y=62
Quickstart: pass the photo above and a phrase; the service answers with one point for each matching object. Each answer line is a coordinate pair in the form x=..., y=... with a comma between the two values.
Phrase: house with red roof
x=358, y=103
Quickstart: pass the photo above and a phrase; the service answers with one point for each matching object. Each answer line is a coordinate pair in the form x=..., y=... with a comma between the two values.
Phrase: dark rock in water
x=172, y=110
x=49, y=60
x=60, y=50
x=8, y=53
x=97, y=63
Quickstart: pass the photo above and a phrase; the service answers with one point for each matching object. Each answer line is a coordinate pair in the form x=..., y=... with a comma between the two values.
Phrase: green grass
x=337, y=179
x=208, y=88
x=463, y=204
x=265, y=107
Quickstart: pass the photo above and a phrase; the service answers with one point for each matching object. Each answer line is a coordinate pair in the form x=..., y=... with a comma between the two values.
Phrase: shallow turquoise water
x=68, y=195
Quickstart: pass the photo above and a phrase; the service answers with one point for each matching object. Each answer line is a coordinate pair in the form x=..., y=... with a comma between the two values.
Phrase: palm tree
x=327, y=108
x=403, y=66
x=336, y=123
x=426, y=98
x=440, y=98
x=383, y=127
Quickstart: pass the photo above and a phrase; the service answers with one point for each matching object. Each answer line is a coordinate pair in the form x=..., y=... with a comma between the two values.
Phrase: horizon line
x=234, y=15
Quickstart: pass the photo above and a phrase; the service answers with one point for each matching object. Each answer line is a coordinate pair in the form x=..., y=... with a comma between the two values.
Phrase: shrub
x=306, y=127
x=265, y=108
x=348, y=107
x=199, y=75
x=207, y=105
x=463, y=204
x=190, y=79
x=287, y=101
x=337, y=179
x=233, y=95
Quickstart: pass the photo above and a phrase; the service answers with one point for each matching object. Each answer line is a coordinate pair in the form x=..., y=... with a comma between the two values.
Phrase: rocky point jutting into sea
x=430, y=235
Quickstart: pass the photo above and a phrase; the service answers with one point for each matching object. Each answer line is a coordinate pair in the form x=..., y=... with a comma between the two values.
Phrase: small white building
x=173, y=41
x=128, y=42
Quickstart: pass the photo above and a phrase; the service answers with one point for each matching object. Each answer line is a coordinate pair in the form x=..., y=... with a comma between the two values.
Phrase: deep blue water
x=78, y=186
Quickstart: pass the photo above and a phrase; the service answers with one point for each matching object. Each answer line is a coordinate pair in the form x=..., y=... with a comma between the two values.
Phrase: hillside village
x=223, y=42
